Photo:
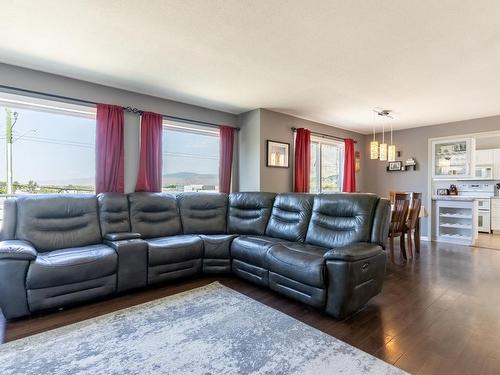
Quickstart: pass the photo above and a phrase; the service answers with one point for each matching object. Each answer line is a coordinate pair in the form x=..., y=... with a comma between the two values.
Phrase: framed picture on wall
x=395, y=166
x=278, y=154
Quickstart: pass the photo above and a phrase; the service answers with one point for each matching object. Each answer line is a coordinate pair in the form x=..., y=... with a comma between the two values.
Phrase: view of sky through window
x=50, y=151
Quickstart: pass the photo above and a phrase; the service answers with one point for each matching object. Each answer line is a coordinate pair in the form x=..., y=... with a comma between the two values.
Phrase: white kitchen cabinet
x=484, y=157
x=455, y=220
x=496, y=163
x=495, y=214
x=453, y=158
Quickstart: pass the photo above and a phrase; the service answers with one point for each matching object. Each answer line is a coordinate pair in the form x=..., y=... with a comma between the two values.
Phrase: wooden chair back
x=392, y=195
x=414, y=211
x=399, y=213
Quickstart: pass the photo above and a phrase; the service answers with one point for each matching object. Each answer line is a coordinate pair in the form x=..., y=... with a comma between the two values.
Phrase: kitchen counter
x=452, y=198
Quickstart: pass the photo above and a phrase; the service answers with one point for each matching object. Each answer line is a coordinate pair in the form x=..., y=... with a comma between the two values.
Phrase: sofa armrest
x=121, y=236
x=17, y=249
x=354, y=252
x=132, y=263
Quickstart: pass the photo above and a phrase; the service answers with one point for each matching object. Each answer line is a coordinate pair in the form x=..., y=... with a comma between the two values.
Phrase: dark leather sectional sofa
x=323, y=250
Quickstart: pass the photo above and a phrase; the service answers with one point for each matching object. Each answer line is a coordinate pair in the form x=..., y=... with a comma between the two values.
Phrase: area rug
x=208, y=330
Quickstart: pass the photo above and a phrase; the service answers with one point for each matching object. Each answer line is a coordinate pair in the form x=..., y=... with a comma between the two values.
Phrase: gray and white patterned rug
x=209, y=330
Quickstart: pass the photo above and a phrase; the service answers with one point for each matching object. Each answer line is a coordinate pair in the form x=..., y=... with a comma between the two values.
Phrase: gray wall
x=58, y=85
x=277, y=127
x=414, y=143
x=249, y=146
x=257, y=127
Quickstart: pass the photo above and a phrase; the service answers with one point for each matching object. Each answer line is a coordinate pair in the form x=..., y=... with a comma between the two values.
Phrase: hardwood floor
x=438, y=314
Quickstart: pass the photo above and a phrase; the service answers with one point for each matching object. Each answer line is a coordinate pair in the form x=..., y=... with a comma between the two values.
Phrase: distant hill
x=179, y=178
x=189, y=178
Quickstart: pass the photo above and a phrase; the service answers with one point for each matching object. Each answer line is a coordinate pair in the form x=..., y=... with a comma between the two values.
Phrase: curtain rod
x=325, y=135
x=128, y=109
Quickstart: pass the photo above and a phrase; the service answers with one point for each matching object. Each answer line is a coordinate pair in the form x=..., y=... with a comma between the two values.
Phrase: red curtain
x=150, y=162
x=109, y=149
x=349, y=183
x=302, y=164
x=226, y=134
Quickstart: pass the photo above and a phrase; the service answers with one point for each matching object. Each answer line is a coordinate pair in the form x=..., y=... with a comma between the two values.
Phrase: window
x=45, y=146
x=327, y=164
x=190, y=158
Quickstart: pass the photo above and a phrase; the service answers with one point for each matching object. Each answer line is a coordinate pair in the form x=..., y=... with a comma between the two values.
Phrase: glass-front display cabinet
x=453, y=158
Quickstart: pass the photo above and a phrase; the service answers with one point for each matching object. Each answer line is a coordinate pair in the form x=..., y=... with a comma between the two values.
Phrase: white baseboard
x=424, y=238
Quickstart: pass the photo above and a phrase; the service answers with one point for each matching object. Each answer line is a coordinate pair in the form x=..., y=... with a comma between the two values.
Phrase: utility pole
x=9, y=125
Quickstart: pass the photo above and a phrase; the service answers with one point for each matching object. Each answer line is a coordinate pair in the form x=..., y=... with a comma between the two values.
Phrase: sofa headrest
x=290, y=216
x=340, y=219
x=154, y=214
x=113, y=213
x=248, y=213
x=203, y=212
x=52, y=222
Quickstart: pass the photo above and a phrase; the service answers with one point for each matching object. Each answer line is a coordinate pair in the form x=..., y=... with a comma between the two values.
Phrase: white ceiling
x=328, y=61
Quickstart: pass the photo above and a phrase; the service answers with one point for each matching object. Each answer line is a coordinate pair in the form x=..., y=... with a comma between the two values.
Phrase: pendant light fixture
x=382, y=153
x=391, y=154
x=374, y=146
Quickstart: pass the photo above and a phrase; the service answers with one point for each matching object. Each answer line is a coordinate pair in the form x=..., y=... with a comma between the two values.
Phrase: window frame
x=319, y=141
x=39, y=103
x=187, y=127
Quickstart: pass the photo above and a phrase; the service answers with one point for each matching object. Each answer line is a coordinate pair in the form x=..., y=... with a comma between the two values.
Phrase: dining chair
x=392, y=195
x=398, y=220
x=412, y=223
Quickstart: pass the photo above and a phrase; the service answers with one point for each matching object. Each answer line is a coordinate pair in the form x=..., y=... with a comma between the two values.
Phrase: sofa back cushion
x=113, y=213
x=8, y=224
x=248, y=213
x=203, y=212
x=381, y=222
x=290, y=216
x=154, y=214
x=52, y=222
x=341, y=219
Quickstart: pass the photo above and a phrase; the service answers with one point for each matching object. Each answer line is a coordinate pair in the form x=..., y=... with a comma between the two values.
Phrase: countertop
x=452, y=198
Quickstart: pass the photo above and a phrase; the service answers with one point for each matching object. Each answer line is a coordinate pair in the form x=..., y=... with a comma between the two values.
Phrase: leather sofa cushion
x=113, y=213
x=154, y=214
x=381, y=221
x=290, y=216
x=217, y=246
x=8, y=225
x=253, y=249
x=248, y=213
x=72, y=265
x=341, y=219
x=174, y=249
x=354, y=252
x=52, y=222
x=17, y=249
x=300, y=262
x=203, y=212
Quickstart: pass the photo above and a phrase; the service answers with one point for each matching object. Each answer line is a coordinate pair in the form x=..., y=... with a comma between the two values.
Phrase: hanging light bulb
x=382, y=154
x=391, y=154
x=374, y=146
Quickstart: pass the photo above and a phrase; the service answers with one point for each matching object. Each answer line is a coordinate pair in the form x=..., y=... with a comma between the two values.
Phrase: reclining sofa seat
x=337, y=267
x=205, y=215
x=171, y=254
x=55, y=256
x=248, y=216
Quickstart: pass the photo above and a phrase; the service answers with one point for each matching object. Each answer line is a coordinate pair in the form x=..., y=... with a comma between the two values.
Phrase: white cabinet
x=496, y=163
x=455, y=221
x=453, y=158
x=484, y=157
x=495, y=214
